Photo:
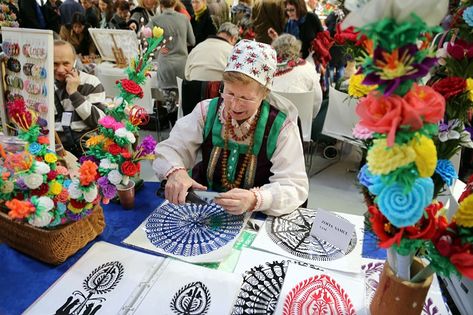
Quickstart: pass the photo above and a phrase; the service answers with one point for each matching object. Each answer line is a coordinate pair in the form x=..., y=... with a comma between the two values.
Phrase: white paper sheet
x=181, y=286
x=350, y=262
x=307, y=291
x=124, y=270
x=372, y=269
x=139, y=238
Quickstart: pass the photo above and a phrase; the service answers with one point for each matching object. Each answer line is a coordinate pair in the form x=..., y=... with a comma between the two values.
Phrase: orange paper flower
x=429, y=104
x=19, y=209
x=88, y=173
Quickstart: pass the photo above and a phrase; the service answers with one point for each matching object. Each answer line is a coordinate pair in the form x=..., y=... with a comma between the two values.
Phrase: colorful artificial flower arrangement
x=8, y=18
x=114, y=150
x=402, y=117
x=453, y=78
x=34, y=185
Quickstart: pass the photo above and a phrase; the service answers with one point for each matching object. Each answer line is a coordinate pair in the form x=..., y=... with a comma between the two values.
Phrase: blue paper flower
x=468, y=16
x=365, y=177
x=35, y=148
x=405, y=209
x=446, y=170
x=66, y=183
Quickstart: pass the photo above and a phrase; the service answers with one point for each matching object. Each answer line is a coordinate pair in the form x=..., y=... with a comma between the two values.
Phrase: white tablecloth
x=108, y=75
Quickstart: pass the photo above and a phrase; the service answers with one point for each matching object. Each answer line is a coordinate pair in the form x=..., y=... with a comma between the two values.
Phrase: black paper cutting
x=192, y=299
x=291, y=232
x=100, y=281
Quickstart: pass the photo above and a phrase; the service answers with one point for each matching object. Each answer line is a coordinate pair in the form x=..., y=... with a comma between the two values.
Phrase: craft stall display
x=289, y=235
x=29, y=73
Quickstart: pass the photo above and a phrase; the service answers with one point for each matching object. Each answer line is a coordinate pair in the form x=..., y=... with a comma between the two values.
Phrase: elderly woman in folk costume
x=250, y=142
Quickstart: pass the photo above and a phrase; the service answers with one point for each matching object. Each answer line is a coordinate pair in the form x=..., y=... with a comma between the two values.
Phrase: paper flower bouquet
x=114, y=150
x=35, y=186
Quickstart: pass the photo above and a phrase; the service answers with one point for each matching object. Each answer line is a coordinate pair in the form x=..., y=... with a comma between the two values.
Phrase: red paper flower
x=43, y=140
x=321, y=46
x=460, y=49
x=78, y=204
x=426, y=227
x=381, y=114
x=464, y=262
x=52, y=175
x=132, y=87
x=384, y=230
x=126, y=154
x=129, y=168
x=450, y=86
x=41, y=190
x=115, y=149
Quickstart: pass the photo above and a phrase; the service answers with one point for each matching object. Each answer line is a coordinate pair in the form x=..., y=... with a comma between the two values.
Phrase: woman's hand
x=236, y=201
x=272, y=33
x=178, y=183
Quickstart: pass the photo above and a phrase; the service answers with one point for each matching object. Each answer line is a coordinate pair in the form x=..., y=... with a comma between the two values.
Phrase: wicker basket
x=51, y=246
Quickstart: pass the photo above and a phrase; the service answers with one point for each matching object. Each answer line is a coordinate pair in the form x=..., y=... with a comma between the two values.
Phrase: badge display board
x=29, y=72
x=110, y=43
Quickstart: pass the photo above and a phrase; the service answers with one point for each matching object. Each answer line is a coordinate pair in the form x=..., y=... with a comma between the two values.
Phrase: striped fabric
x=87, y=104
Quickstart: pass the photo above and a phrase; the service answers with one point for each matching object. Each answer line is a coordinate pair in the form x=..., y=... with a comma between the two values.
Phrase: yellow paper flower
x=50, y=157
x=383, y=159
x=356, y=88
x=464, y=215
x=73, y=209
x=7, y=187
x=469, y=87
x=55, y=187
x=426, y=155
x=95, y=140
x=157, y=32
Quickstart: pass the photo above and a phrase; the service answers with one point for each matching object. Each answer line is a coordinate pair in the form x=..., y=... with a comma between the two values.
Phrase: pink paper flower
x=107, y=122
x=360, y=132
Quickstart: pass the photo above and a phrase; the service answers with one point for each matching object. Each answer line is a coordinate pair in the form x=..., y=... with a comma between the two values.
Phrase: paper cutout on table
x=100, y=281
x=433, y=305
x=182, y=288
x=260, y=290
x=307, y=291
x=191, y=229
x=292, y=233
x=289, y=235
x=318, y=295
x=263, y=275
x=103, y=281
x=194, y=298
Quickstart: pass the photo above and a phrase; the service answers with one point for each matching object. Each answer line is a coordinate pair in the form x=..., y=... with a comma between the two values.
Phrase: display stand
x=29, y=72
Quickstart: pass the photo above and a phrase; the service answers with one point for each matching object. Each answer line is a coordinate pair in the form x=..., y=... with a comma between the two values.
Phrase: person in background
x=182, y=9
x=51, y=14
x=336, y=65
x=30, y=15
x=219, y=11
x=78, y=35
x=202, y=24
x=142, y=14
x=266, y=15
x=121, y=16
x=294, y=74
x=67, y=10
x=203, y=66
x=171, y=60
x=251, y=146
x=313, y=4
x=92, y=14
x=79, y=98
x=188, y=5
x=302, y=24
x=241, y=11
x=106, y=13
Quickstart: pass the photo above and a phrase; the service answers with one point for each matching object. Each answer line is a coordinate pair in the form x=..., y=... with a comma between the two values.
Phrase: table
x=108, y=75
x=24, y=279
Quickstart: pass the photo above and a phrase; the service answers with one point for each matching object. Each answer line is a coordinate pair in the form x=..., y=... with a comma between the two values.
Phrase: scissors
x=191, y=197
